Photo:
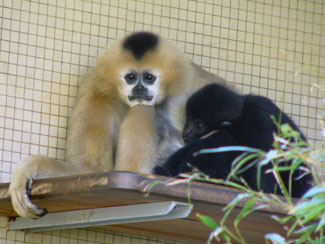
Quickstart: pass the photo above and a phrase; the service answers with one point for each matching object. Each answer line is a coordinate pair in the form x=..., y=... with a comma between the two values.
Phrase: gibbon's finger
x=29, y=185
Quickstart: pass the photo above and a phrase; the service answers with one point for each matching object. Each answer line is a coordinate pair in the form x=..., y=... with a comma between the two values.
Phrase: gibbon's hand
x=160, y=170
x=20, y=188
x=35, y=167
x=175, y=164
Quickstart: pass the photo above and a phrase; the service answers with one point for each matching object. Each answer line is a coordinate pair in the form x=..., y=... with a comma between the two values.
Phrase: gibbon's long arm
x=92, y=129
x=137, y=141
x=31, y=168
x=88, y=150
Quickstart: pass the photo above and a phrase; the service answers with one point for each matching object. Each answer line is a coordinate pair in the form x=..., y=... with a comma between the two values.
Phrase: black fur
x=248, y=123
x=140, y=43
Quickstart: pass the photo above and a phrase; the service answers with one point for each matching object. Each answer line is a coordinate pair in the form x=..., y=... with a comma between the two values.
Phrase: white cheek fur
x=154, y=90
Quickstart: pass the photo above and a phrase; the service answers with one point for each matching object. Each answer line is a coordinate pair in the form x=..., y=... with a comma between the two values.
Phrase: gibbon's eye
x=226, y=123
x=199, y=125
x=131, y=78
x=148, y=77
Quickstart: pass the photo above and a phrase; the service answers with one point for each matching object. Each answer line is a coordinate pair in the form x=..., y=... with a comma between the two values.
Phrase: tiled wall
x=74, y=236
x=274, y=48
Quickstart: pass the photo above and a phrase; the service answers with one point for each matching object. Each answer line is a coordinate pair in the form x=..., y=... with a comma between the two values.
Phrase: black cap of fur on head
x=215, y=103
x=140, y=43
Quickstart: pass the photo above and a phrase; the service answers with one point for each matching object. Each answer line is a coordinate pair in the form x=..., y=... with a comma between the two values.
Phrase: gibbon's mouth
x=208, y=134
x=135, y=97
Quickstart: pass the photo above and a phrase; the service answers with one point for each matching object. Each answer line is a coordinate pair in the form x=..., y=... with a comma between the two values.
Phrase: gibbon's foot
x=29, y=186
x=21, y=185
x=22, y=204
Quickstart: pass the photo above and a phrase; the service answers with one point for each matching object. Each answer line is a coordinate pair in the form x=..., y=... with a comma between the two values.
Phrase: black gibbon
x=128, y=115
x=243, y=120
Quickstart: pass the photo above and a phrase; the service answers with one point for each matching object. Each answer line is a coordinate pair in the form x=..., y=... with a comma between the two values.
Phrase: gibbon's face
x=143, y=69
x=214, y=107
x=141, y=86
x=140, y=82
x=194, y=129
x=197, y=127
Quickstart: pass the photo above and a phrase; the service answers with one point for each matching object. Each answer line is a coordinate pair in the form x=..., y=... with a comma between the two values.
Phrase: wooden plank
x=124, y=188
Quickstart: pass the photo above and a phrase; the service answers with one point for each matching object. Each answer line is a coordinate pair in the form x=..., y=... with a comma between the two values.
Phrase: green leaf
x=321, y=224
x=251, y=164
x=320, y=241
x=241, y=163
x=311, y=215
x=208, y=221
x=286, y=128
x=306, y=229
x=306, y=232
x=247, y=209
x=210, y=238
x=237, y=199
x=293, y=227
x=238, y=159
x=227, y=183
x=147, y=188
x=225, y=216
x=259, y=175
x=270, y=155
x=283, y=168
x=275, y=238
x=282, y=220
x=228, y=149
x=302, y=175
x=307, y=206
x=314, y=191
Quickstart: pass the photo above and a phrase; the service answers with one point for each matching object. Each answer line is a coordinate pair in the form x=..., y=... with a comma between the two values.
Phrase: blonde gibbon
x=128, y=116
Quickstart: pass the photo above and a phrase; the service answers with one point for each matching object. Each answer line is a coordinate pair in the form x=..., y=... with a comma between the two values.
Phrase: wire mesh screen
x=273, y=48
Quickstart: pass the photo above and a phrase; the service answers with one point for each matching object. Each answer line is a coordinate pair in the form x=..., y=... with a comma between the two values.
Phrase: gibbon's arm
x=93, y=129
x=89, y=148
x=137, y=140
x=31, y=168
x=197, y=77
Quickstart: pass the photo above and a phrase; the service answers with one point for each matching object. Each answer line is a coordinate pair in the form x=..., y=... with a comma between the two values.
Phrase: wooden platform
x=124, y=188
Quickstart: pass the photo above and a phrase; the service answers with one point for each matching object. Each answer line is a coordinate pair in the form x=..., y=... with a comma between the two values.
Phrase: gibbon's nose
x=187, y=136
x=185, y=139
x=139, y=88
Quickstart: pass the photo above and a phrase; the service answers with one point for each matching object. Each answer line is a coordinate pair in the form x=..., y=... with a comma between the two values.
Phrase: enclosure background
x=274, y=48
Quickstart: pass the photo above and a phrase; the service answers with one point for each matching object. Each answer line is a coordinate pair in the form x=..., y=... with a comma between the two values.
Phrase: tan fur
x=141, y=132
x=102, y=123
x=92, y=129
